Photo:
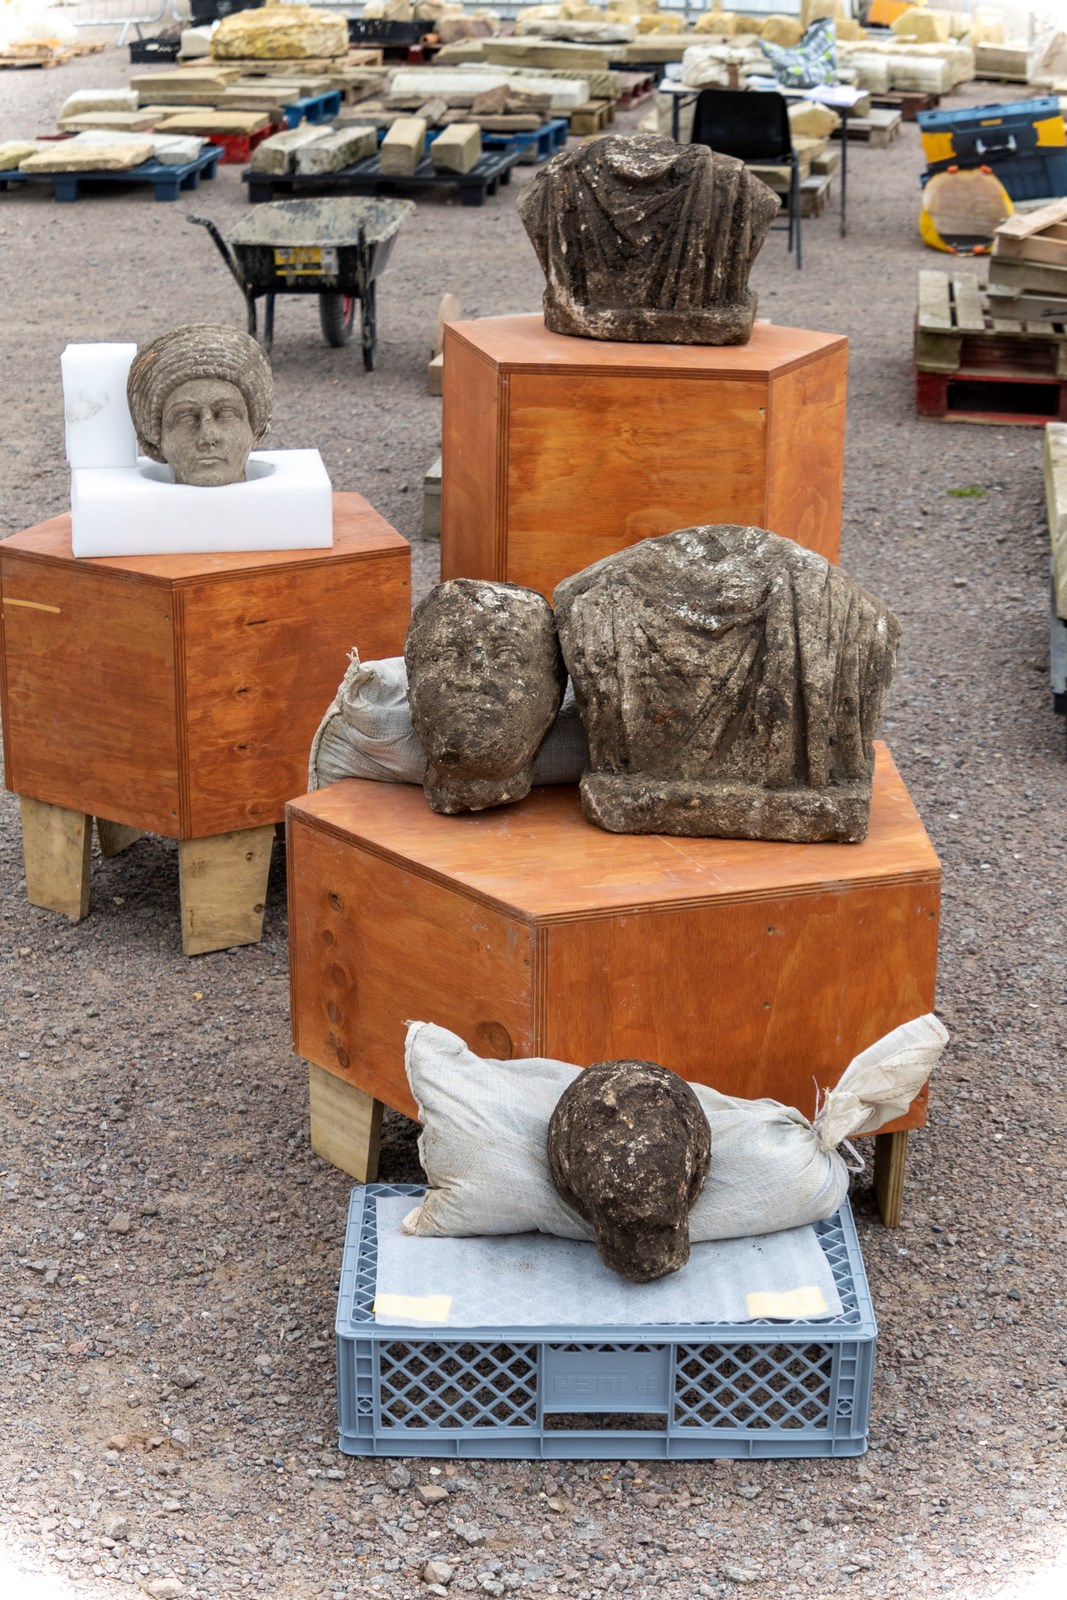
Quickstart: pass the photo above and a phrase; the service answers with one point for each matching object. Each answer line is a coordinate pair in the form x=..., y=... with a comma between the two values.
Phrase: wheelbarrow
x=333, y=248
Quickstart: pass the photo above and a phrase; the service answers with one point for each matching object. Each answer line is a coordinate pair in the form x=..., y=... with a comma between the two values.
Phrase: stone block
x=338, y=149
x=458, y=148
x=403, y=147
x=69, y=156
x=278, y=153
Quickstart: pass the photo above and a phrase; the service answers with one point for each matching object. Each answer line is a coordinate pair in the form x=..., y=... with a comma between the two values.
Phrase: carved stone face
x=629, y=1149
x=206, y=436
x=485, y=681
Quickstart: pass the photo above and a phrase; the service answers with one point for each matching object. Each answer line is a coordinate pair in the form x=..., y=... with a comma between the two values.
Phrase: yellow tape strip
x=414, y=1307
x=32, y=605
x=792, y=1303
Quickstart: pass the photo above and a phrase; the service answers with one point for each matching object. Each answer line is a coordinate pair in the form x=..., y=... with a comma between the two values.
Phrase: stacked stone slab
x=403, y=147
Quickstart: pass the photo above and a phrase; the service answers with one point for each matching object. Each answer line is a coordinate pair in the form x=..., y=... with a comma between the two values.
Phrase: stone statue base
x=638, y=802
x=718, y=324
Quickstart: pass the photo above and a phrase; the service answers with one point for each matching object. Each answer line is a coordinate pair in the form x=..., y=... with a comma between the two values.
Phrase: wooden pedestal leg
x=346, y=1125
x=890, y=1154
x=115, y=837
x=55, y=848
x=223, y=883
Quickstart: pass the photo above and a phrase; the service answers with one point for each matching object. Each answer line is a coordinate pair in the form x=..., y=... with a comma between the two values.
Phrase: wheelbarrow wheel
x=337, y=313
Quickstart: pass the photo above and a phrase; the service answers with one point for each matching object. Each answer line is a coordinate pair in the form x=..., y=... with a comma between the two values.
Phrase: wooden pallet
x=635, y=87
x=877, y=129
x=956, y=329
x=10, y=62
x=971, y=366
x=593, y=117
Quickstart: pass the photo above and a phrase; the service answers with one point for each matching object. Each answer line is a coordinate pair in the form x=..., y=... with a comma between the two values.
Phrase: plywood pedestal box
x=559, y=451
x=759, y=968
x=179, y=695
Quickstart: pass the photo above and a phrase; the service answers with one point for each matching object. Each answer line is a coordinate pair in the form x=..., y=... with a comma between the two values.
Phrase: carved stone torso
x=645, y=240
x=730, y=683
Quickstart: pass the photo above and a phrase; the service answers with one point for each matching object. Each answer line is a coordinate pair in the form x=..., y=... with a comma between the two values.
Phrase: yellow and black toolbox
x=1024, y=143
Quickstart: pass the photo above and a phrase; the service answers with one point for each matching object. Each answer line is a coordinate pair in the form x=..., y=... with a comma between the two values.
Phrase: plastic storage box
x=670, y=1391
x=1024, y=143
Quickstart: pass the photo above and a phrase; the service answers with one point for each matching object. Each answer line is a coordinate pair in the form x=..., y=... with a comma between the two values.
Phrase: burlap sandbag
x=485, y=1126
x=367, y=733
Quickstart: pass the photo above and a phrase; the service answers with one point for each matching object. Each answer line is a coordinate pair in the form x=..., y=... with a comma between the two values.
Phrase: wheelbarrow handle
x=223, y=248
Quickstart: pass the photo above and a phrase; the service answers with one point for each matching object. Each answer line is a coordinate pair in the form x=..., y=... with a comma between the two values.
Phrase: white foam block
x=285, y=503
x=99, y=427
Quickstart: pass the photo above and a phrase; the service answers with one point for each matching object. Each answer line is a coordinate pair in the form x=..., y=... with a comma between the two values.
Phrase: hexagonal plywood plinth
x=559, y=451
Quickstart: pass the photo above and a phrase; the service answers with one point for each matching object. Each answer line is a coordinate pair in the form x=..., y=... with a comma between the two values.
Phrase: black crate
x=146, y=52
x=373, y=31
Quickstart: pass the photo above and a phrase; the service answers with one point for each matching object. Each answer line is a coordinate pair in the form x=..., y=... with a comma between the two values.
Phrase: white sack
x=485, y=1127
x=367, y=733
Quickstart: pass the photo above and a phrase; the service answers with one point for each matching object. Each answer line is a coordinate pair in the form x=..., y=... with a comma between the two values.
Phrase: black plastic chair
x=753, y=127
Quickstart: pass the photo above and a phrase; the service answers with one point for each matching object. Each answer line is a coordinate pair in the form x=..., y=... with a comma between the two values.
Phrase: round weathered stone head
x=629, y=1149
x=200, y=398
x=485, y=681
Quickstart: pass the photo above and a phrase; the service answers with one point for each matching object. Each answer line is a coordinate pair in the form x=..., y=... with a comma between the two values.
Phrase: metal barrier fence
x=127, y=14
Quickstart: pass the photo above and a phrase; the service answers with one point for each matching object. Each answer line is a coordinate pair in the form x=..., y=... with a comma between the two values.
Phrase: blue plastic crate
x=1024, y=142
x=669, y=1391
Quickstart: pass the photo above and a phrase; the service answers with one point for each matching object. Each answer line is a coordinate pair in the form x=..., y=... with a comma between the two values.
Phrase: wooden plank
x=890, y=1156
x=435, y=375
x=967, y=304
x=1022, y=225
x=937, y=352
x=935, y=307
x=223, y=886
x=1055, y=467
x=56, y=845
x=1049, y=249
x=115, y=837
x=346, y=1124
x=1027, y=276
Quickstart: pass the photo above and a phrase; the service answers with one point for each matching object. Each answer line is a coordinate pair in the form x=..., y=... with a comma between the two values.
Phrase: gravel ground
x=171, y=1245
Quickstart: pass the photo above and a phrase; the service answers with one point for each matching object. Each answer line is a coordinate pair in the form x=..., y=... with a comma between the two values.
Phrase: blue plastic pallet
x=543, y=141
x=313, y=108
x=167, y=181
x=664, y=1391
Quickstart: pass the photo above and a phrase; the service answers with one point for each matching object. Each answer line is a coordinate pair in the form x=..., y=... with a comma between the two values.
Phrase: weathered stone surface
x=645, y=240
x=278, y=153
x=200, y=398
x=280, y=33
x=458, y=148
x=403, y=147
x=12, y=151
x=629, y=1149
x=337, y=150
x=117, y=121
x=730, y=684
x=485, y=681
x=66, y=156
